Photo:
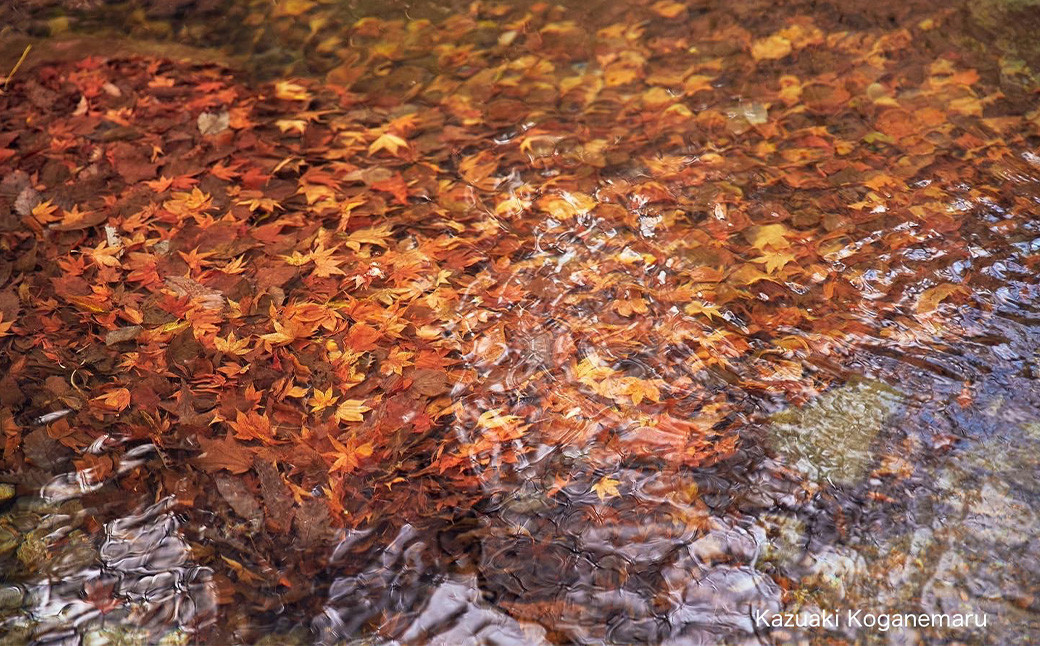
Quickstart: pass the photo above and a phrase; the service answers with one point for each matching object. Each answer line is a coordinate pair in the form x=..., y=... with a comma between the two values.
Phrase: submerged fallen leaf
x=291, y=91
x=118, y=399
x=388, y=142
x=352, y=410
x=930, y=299
x=775, y=260
x=772, y=48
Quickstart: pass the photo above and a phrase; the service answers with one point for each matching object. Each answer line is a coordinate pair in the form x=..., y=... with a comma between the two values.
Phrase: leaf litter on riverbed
x=368, y=297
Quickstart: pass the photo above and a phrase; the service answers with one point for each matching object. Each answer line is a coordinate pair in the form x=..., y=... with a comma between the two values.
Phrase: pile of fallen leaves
x=341, y=304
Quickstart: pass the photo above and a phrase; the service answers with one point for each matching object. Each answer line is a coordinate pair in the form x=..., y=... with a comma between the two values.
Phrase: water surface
x=657, y=316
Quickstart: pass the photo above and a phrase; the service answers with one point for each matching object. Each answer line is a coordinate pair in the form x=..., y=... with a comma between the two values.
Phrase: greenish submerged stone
x=829, y=439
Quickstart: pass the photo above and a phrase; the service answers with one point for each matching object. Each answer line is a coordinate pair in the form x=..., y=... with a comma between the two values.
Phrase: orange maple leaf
x=5, y=328
x=117, y=399
x=324, y=265
x=253, y=426
x=322, y=399
x=346, y=457
x=374, y=236
x=630, y=306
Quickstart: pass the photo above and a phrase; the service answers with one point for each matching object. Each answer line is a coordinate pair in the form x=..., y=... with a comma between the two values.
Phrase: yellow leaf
x=297, y=259
x=324, y=264
x=591, y=370
x=793, y=343
x=668, y=9
x=322, y=399
x=45, y=213
x=352, y=410
x=930, y=299
x=265, y=204
x=768, y=235
x=679, y=110
x=620, y=74
x=707, y=309
x=968, y=106
x=374, y=235
x=293, y=7
x=801, y=36
x=638, y=389
x=244, y=575
x=697, y=82
x=775, y=259
x=316, y=192
x=388, y=142
x=282, y=334
x=397, y=361
x=771, y=48
x=345, y=457
x=748, y=275
x=290, y=125
x=105, y=255
x=790, y=89
x=291, y=91
x=495, y=419
x=606, y=488
x=253, y=426
x=630, y=306
x=512, y=205
x=231, y=345
x=478, y=167
x=566, y=205
x=657, y=97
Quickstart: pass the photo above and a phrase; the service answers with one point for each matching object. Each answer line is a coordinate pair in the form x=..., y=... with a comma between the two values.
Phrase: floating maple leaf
x=707, y=309
x=606, y=488
x=299, y=126
x=768, y=235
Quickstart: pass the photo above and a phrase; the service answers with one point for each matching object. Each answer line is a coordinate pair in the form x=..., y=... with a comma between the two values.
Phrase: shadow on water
x=699, y=448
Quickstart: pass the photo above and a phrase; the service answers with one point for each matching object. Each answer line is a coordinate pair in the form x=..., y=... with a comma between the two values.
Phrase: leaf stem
x=14, y=69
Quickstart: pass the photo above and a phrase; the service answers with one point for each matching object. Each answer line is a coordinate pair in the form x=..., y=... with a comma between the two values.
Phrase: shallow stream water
x=747, y=326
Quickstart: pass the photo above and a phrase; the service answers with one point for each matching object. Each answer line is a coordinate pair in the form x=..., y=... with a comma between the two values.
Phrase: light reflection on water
x=141, y=581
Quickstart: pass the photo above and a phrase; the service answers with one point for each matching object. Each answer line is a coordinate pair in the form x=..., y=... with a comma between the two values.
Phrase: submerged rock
x=829, y=439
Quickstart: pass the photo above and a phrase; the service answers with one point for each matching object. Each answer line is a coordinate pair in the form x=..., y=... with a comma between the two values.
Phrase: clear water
x=832, y=440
